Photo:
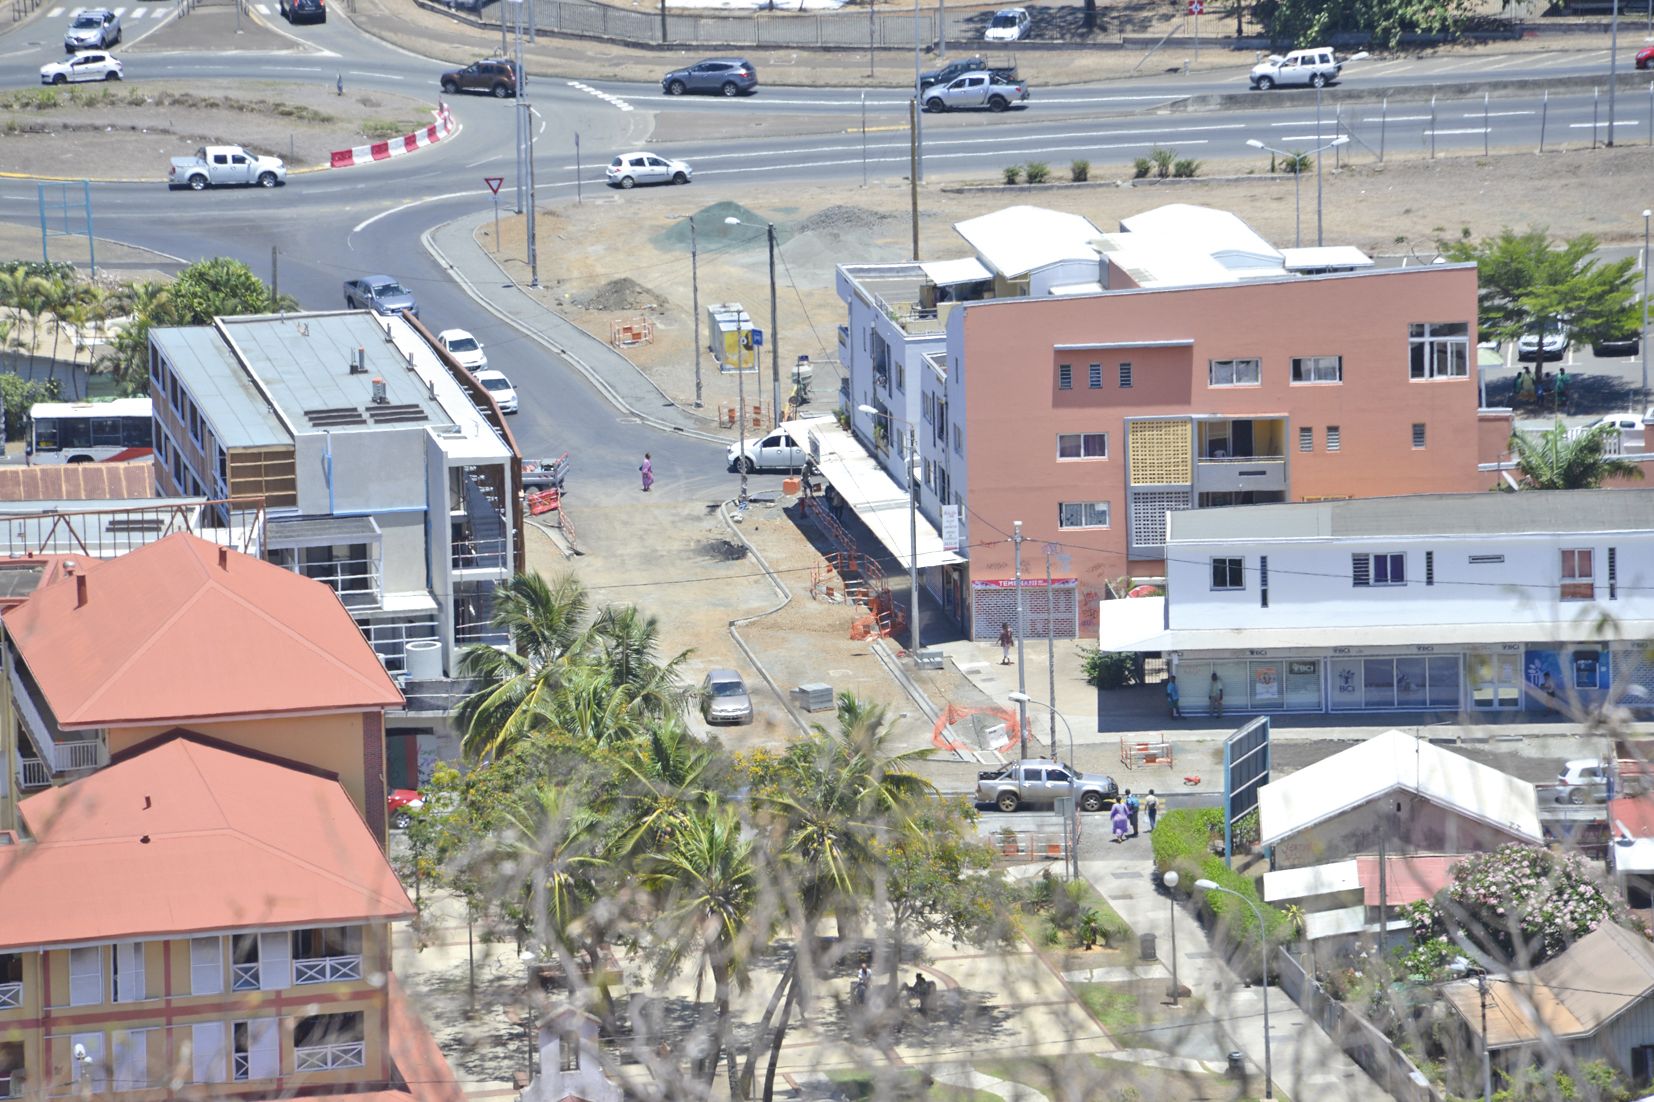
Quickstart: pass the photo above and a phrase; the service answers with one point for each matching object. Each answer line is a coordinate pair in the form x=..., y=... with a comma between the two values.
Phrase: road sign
x=1196, y=7
x=758, y=338
x=1245, y=770
x=494, y=183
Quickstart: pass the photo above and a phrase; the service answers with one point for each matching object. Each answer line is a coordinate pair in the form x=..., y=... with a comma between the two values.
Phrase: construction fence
x=845, y=29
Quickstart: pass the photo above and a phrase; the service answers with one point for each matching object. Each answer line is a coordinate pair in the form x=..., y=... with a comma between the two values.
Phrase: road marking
x=261, y=9
x=486, y=160
x=375, y=76
x=1496, y=114
x=1300, y=122
x=366, y=222
x=54, y=13
x=934, y=143
x=1400, y=118
x=119, y=12
x=600, y=94
x=1466, y=130
x=1299, y=137
x=1600, y=124
x=138, y=13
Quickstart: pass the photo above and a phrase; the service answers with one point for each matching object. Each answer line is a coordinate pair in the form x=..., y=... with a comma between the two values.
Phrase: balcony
x=343, y=553
x=245, y=977
x=346, y=1054
x=327, y=969
x=32, y=773
x=11, y=998
x=1223, y=474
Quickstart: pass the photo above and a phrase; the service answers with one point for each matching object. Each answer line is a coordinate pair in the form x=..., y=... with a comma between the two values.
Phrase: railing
x=1613, y=443
x=1242, y=458
x=245, y=977
x=481, y=632
x=344, y=577
x=80, y=754
x=242, y=1067
x=106, y=533
x=390, y=638
x=347, y=1054
x=327, y=969
x=480, y=554
x=777, y=28
x=33, y=773
x=11, y=1086
x=40, y=732
x=11, y=996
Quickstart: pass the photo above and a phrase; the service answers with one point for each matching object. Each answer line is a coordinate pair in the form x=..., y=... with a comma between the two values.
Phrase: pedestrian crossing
x=146, y=12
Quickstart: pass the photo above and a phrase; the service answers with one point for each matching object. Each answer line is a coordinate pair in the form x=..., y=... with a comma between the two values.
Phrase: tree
x=1526, y=283
x=1555, y=461
x=1312, y=22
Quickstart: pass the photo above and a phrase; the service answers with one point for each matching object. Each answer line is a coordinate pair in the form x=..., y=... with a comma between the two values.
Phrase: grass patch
x=1100, y=1079
x=104, y=96
x=1115, y=1008
x=380, y=130
x=1135, y=1012
x=903, y=1085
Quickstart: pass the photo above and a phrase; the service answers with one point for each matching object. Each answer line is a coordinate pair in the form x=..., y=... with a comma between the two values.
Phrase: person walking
x=1133, y=808
x=1214, y=695
x=1119, y=819
x=1006, y=642
x=1561, y=388
x=648, y=470
x=1151, y=805
x=1173, y=697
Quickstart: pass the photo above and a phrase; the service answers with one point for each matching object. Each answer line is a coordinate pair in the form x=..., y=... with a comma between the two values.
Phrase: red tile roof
x=1406, y=879
x=188, y=837
x=183, y=630
x=1635, y=813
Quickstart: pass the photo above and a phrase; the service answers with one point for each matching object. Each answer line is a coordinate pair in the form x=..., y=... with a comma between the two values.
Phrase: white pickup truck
x=976, y=90
x=225, y=166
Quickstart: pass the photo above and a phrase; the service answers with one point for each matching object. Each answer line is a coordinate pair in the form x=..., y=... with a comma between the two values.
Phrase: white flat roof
x=1317, y=258
x=1340, y=876
x=870, y=492
x=1344, y=920
x=944, y=273
x=1633, y=855
x=1122, y=624
x=1016, y=240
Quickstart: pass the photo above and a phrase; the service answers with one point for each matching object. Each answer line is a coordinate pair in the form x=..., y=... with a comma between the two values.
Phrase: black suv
x=495, y=76
x=304, y=11
x=729, y=76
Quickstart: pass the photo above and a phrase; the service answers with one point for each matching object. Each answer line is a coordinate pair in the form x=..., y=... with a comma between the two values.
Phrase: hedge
x=1182, y=842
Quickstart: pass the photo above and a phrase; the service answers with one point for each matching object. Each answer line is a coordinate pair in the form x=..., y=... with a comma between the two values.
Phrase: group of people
x=1214, y=696
x=1123, y=817
x=1533, y=385
x=920, y=994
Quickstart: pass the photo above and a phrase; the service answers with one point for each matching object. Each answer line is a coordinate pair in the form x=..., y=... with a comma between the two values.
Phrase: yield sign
x=1196, y=7
x=494, y=183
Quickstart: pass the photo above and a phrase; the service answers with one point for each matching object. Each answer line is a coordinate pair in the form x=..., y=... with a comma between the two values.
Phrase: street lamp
x=1170, y=880
x=695, y=302
x=1461, y=968
x=1297, y=179
x=1263, y=939
x=909, y=458
x=775, y=333
x=1025, y=699
x=1647, y=214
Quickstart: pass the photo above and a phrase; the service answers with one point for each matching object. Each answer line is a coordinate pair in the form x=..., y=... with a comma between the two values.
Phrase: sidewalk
x=1307, y=1065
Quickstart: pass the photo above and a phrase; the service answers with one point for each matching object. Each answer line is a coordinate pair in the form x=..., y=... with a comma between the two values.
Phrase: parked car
x=630, y=169
x=1624, y=345
x=1582, y=779
x=777, y=451
x=495, y=75
x=1645, y=57
x=464, y=348
x=727, y=76
x=724, y=698
x=505, y=395
x=92, y=29
x=400, y=805
x=381, y=294
x=225, y=166
x=1008, y=25
x=1631, y=426
x=1550, y=343
x=976, y=90
x=1039, y=782
x=955, y=69
x=1314, y=68
x=304, y=11
x=92, y=65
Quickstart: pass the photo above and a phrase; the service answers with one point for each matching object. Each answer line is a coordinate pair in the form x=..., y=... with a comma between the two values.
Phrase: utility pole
x=775, y=337
x=275, y=292
x=913, y=170
x=695, y=304
x=918, y=92
x=1647, y=214
x=1613, y=67
x=1022, y=677
x=517, y=63
x=1051, y=646
x=913, y=543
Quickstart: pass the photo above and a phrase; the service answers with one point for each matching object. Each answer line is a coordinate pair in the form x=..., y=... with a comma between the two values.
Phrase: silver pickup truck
x=1039, y=782
x=976, y=90
x=225, y=165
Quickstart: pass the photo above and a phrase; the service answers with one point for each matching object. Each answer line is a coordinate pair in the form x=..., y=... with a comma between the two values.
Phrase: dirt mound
x=724, y=550
x=620, y=294
x=847, y=219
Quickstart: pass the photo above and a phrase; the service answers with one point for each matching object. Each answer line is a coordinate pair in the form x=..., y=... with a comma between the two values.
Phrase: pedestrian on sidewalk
x=1006, y=641
x=1133, y=807
x=1119, y=820
x=648, y=470
x=1173, y=697
x=1214, y=695
x=1151, y=804
x=1562, y=381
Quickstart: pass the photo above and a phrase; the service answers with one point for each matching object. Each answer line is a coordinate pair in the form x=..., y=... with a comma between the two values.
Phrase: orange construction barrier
x=545, y=501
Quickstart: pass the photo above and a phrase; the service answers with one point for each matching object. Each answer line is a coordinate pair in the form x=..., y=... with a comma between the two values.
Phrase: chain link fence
x=846, y=29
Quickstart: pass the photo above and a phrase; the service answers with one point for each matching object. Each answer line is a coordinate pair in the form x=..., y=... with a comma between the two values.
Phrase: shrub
x=1162, y=159
x=18, y=394
x=1038, y=171
x=1185, y=167
x=1141, y=167
x=1296, y=163
x=1108, y=669
x=1181, y=842
x=1079, y=171
x=1013, y=174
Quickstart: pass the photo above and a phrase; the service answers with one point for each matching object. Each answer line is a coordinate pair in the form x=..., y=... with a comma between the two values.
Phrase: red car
x=400, y=805
x=1645, y=57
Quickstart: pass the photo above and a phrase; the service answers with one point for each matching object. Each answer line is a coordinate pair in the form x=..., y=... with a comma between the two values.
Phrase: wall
x=1407, y=823
x=1005, y=392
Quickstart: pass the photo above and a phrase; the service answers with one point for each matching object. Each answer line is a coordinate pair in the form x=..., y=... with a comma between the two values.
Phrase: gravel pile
x=845, y=219
x=620, y=294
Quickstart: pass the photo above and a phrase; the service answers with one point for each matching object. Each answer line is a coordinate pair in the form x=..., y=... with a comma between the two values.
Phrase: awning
x=1320, y=258
x=1583, y=631
x=944, y=273
x=875, y=497
x=319, y=531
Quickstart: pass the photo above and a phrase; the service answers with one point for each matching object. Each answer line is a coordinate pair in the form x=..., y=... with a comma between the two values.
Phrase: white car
x=631, y=169
x=464, y=348
x=1551, y=343
x=1008, y=25
x=1631, y=426
x=1314, y=68
x=92, y=65
x=500, y=387
x=1582, y=779
x=778, y=451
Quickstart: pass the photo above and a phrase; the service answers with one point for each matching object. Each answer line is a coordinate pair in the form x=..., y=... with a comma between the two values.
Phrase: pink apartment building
x=1088, y=383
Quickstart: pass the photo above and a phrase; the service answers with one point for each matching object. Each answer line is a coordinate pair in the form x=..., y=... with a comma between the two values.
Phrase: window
x=92, y=1070
x=86, y=976
x=1439, y=350
x=1235, y=372
x=1125, y=376
x=1418, y=434
x=324, y=1042
x=1578, y=574
x=568, y=1050
x=1613, y=574
x=1263, y=581
x=208, y=1052
x=901, y=376
x=206, y=966
x=255, y=1048
x=958, y=440
x=1318, y=369
x=1306, y=440
x=1387, y=569
x=1334, y=438
x=131, y=1059
x=1082, y=514
x=1095, y=377
x=1429, y=568
x=1065, y=376
x=1082, y=445
x=129, y=972
x=1229, y=573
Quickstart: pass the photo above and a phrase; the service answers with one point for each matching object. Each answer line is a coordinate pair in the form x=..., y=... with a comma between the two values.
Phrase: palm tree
x=627, y=643
x=666, y=779
x=1555, y=461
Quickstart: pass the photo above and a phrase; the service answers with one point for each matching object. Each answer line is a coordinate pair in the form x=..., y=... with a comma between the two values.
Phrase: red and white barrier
x=407, y=143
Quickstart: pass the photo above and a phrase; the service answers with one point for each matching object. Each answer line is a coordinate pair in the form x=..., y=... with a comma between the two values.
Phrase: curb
x=739, y=622
x=396, y=147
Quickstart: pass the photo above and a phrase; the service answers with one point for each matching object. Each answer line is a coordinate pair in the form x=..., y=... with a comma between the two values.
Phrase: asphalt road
x=330, y=226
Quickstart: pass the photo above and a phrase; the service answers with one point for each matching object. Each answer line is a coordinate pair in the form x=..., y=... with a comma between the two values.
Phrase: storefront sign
x=950, y=527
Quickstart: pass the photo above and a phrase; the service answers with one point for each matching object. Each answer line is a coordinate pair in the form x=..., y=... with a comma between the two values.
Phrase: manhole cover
x=724, y=550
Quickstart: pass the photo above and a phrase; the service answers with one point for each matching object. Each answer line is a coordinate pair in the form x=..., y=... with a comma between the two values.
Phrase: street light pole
x=695, y=303
x=775, y=333
x=1022, y=677
x=1296, y=160
x=1170, y=880
x=1613, y=67
x=908, y=461
x=1263, y=939
x=1647, y=214
x=1024, y=698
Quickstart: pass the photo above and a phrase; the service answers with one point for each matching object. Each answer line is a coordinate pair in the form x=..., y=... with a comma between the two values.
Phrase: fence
x=845, y=29
x=1359, y=1039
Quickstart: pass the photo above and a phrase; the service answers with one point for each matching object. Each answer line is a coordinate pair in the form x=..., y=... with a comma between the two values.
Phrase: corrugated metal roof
x=1016, y=240
x=1530, y=512
x=238, y=412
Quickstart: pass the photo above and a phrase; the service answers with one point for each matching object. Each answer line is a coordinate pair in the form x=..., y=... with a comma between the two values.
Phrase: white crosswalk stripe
x=605, y=96
x=138, y=13
x=158, y=13
x=54, y=13
x=262, y=9
x=119, y=12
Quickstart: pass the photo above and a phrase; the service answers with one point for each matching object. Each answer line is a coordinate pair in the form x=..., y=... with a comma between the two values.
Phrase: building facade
x=1091, y=384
